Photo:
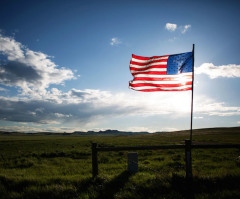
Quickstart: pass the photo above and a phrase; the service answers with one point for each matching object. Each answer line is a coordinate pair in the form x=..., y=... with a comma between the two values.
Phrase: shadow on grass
x=114, y=186
x=176, y=187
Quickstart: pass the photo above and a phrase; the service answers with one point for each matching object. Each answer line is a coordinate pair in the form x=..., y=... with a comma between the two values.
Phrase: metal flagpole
x=192, y=94
x=188, y=143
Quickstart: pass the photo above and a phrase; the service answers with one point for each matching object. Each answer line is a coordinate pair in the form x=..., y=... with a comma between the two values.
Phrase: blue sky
x=64, y=65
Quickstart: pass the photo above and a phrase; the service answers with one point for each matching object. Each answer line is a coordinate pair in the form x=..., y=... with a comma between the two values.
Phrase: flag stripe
x=166, y=78
x=160, y=89
x=151, y=73
x=164, y=88
x=183, y=75
x=148, y=70
x=148, y=59
x=163, y=64
x=160, y=82
x=142, y=69
x=159, y=85
x=149, y=62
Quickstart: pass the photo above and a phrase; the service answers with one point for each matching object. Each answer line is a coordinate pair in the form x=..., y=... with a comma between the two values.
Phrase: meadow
x=59, y=166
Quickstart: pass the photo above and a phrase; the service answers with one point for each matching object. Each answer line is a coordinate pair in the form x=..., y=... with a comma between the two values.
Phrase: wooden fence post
x=94, y=160
x=188, y=158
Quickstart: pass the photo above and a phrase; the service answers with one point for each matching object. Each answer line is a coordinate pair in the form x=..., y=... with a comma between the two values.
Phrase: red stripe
x=149, y=67
x=151, y=73
x=159, y=79
x=154, y=79
x=159, y=89
x=143, y=64
x=146, y=58
x=160, y=85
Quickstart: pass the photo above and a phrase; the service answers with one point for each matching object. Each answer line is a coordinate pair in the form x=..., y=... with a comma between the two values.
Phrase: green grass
x=38, y=166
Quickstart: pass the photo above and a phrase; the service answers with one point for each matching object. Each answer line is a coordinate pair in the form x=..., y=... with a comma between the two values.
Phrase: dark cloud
x=80, y=94
x=15, y=72
x=32, y=72
x=50, y=112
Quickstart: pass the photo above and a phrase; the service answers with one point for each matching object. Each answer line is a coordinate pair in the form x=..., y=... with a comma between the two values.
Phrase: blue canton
x=180, y=63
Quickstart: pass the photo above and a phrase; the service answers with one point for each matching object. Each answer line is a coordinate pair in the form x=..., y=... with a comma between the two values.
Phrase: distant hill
x=109, y=132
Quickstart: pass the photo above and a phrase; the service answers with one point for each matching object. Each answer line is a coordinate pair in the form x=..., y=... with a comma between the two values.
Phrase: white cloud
x=115, y=41
x=62, y=115
x=230, y=70
x=11, y=48
x=32, y=71
x=171, y=27
x=2, y=89
x=208, y=106
x=198, y=117
x=169, y=129
x=140, y=129
x=185, y=28
x=24, y=128
x=150, y=130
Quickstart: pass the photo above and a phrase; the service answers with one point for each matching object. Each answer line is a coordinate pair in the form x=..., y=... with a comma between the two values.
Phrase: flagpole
x=192, y=94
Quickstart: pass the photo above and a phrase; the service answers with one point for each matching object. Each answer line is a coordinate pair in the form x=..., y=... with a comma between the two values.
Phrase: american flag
x=162, y=73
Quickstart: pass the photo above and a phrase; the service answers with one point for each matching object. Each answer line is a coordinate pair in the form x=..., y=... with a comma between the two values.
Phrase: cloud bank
x=87, y=106
x=31, y=71
x=229, y=71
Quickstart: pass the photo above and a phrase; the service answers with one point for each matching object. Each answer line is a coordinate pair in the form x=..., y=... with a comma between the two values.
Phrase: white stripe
x=151, y=69
x=165, y=88
x=149, y=60
x=152, y=64
x=160, y=82
x=162, y=76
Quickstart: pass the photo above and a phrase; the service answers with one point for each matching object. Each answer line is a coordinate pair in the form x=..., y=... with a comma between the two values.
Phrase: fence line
x=215, y=146
x=130, y=148
x=187, y=146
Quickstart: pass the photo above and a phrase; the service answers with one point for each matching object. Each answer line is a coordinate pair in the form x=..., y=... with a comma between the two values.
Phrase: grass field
x=54, y=166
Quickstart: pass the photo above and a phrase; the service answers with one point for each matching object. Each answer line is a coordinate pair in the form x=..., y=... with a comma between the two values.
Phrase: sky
x=64, y=65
